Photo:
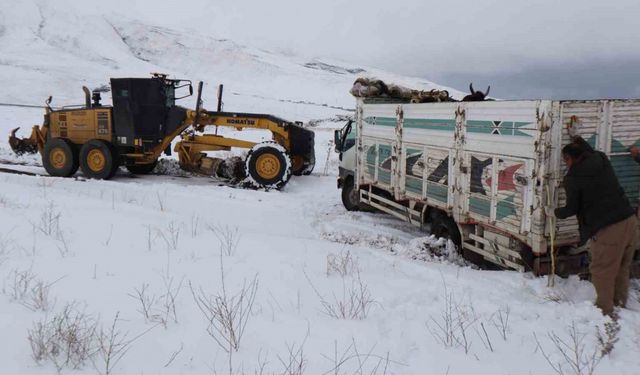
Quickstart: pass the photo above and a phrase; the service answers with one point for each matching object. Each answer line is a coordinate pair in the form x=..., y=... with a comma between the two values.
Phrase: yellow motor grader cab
x=142, y=123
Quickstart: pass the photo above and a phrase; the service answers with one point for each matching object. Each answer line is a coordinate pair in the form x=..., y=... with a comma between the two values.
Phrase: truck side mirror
x=190, y=90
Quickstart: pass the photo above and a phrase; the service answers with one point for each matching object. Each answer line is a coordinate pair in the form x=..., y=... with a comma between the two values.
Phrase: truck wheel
x=59, y=158
x=268, y=166
x=443, y=226
x=142, y=168
x=350, y=196
x=97, y=160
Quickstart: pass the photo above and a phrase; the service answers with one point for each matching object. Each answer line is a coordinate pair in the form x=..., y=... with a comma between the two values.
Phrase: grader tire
x=268, y=166
x=97, y=160
x=142, y=168
x=59, y=158
x=297, y=165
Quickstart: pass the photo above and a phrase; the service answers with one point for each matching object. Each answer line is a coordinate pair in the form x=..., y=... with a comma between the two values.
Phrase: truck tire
x=268, y=166
x=142, y=168
x=443, y=226
x=59, y=158
x=97, y=160
x=350, y=196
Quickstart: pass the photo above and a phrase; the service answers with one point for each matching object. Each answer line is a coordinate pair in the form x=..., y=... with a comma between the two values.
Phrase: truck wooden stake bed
x=481, y=173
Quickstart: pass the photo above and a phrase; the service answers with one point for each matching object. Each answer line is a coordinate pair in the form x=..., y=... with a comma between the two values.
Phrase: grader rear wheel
x=268, y=166
x=97, y=160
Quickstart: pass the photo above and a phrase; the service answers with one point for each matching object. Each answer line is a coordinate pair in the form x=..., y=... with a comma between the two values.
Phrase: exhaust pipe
x=87, y=96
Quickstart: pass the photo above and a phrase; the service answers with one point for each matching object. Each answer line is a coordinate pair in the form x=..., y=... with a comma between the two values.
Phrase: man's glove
x=549, y=211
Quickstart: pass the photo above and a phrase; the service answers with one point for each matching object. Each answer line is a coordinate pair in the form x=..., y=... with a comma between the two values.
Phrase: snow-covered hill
x=55, y=48
x=335, y=292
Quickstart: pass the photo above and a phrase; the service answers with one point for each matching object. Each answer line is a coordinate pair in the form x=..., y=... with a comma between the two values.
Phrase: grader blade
x=22, y=145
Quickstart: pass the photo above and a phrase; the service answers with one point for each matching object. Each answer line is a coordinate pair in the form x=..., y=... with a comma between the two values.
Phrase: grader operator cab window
x=144, y=108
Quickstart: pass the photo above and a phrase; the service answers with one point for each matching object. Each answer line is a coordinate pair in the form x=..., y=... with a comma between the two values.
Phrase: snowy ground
x=343, y=293
x=97, y=243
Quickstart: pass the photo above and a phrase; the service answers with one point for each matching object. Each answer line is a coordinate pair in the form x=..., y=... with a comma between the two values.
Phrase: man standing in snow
x=604, y=215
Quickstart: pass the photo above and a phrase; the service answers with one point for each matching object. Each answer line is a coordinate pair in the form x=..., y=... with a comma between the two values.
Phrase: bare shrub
x=294, y=363
x=227, y=315
x=174, y=355
x=355, y=302
x=570, y=354
x=608, y=337
x=7, y=245
x=107, y=242
x=171, y=236
x=195, y=226
x=63, y=245
x=150, y=238
x=67, y=339
x=112, y=345
x=229, y=237
x=342, y=264
x=353, y=361
x=160, y=202
x=39, y=297
x=452, y=327
x=49, y=223
x=159, y=308
x=500, y=320
x=30, y=291
x=20, y=284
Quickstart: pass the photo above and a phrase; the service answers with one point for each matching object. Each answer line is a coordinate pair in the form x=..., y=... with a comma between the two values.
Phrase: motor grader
x=141, y=125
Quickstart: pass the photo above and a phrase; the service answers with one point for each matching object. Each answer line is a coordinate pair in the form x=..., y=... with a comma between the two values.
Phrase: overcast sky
x=536, y=48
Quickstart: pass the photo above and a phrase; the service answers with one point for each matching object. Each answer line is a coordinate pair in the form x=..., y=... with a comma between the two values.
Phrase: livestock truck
x=481, y=173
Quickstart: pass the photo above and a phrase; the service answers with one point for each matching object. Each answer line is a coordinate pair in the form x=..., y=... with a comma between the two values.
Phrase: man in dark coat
x=604, y=215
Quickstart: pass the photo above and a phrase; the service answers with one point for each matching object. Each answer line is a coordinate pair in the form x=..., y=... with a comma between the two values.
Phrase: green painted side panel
x=381, y=121
x=498, y=127
x=430, y=124
x=413, y=185
x=384, y=176
x=473, y=126
x=505, y=208
x=437, y=192
x=480, y=206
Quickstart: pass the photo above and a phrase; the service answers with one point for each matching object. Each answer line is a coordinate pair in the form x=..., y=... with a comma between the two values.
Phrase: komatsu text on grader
x=142, y=123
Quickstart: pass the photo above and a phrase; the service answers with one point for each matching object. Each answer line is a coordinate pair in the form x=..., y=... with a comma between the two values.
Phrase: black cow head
x=476, y=96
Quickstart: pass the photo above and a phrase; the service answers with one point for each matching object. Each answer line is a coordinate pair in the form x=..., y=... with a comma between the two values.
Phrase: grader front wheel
x=268, y=166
